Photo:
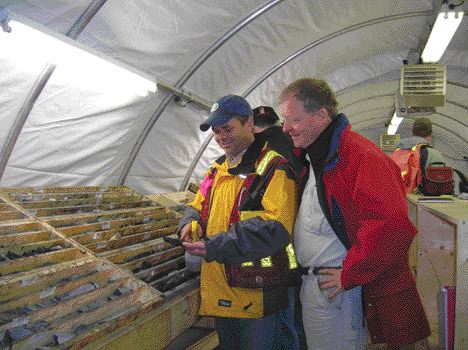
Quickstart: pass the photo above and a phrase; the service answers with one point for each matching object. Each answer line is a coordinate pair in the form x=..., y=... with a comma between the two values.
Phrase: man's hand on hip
x=331, y=278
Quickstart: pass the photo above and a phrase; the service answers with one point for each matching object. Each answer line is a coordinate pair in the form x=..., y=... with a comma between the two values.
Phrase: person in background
x=268, y=129
x=414, y=154
x=422, y=135
x=352, y=231
x=245, y=208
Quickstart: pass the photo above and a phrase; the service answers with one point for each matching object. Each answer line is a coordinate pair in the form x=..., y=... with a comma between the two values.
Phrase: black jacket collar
x=318, y=150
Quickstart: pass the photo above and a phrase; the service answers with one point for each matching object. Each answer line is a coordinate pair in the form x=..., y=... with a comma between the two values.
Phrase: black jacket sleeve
x=247, y=240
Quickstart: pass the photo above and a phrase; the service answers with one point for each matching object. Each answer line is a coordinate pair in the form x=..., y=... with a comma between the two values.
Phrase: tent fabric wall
x=78, y=133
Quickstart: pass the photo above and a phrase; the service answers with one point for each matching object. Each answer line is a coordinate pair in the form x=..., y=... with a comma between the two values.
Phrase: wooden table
x=442, y=260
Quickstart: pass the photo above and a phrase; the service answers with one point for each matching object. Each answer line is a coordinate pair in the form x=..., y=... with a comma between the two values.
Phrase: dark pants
x=272, y=332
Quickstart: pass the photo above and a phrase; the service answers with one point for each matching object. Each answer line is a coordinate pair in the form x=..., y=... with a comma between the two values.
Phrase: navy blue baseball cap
x=225, y=109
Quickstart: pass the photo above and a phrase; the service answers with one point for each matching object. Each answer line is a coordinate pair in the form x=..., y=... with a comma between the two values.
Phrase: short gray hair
x=314, y=94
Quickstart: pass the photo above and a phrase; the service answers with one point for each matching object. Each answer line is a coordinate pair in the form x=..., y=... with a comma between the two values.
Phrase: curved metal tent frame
x=185, y=77
x=294, y=56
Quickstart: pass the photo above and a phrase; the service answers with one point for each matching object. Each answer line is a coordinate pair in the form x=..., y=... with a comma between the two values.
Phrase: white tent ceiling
x=78, y=133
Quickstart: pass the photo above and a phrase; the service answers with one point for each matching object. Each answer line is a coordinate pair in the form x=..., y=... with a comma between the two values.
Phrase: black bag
x=437, y=179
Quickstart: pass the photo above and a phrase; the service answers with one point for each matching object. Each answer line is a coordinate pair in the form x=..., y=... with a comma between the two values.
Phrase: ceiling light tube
x=442, y=32
x=394, y=124
x=83, y=62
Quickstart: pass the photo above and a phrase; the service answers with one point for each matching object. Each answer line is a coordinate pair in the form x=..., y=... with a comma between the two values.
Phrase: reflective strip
x=266, y=262
x=245, y=215
x=291, y=256
x=265, y=161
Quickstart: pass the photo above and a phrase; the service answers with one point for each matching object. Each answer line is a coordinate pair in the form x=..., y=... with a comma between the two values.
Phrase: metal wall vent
x=388, y=143
x=423, y=85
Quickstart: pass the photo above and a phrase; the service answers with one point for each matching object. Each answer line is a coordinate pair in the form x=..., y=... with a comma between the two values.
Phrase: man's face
x=303, y=127
x=233, y=137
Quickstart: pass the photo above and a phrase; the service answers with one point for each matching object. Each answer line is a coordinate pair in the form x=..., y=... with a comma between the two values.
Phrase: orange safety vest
x=408, y=160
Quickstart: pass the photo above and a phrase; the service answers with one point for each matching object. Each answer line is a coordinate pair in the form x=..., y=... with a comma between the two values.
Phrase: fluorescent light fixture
x=394, y=124
x=444, y=28
x=30, y=42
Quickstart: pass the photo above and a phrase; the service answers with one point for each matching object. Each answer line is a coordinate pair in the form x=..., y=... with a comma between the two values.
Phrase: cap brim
x=266, y=118
x=207, y=123
x=216, y=119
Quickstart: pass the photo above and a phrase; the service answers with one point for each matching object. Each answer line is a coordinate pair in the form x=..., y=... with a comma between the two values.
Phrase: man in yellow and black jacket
x=244, y=212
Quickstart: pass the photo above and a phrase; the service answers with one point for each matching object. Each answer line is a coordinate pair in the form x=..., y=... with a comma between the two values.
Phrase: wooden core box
x=87, y=267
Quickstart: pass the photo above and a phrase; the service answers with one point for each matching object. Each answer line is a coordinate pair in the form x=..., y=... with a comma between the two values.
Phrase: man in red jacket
x=358, y=195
